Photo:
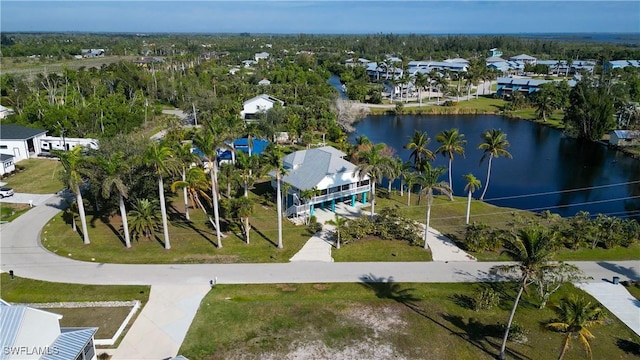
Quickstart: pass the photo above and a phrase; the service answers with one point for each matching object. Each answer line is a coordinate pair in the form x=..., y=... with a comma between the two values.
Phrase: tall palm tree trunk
x=408, y=194
x=214, y=195
x=486, y=184
x=565, y=347
x=502, y=355
x=426, y=229
x=83, y=217
x=450, y=177
x=373, y=197
x=279, y=206
x=468, y=206
x=184, y=194
x=163, y=210
x=247, y=228
x=125, y=222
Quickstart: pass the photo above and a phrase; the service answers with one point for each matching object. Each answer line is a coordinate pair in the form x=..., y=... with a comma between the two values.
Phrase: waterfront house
x=5, y=111
x=624, y=138
x=526, y=86
x=621, y=64
x=325, y=171
x=29, y=333
x=259, y=104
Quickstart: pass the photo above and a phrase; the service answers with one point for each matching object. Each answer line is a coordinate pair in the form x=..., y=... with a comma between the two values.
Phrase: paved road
x=20, y=251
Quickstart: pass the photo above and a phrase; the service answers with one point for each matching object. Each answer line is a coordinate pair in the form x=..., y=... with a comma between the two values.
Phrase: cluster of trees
x=412, y=46
x=379, y=162
x=577, y=232
x=132, y=172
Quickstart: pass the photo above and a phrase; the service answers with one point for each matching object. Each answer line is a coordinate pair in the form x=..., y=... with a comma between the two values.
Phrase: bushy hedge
x=387, y=225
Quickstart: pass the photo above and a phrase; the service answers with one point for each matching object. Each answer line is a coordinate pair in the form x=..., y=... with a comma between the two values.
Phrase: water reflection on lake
x=567, y=175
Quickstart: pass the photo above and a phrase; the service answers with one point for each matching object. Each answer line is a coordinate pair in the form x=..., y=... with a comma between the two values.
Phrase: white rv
x=49, y=143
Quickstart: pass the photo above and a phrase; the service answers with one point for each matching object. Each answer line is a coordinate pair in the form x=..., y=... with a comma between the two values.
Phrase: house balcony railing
x=305, y=208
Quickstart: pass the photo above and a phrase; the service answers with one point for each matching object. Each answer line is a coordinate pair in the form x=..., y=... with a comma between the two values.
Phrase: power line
x=562, y=191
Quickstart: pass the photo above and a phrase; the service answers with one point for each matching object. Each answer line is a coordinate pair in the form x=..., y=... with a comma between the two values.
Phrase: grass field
x=32, y=67
x=21, y=290
x=106, y=319
x=47, y=173
x=9, y=211
x=380, y=321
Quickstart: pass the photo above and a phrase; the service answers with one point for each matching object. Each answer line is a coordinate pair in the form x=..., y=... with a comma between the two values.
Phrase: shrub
x=485, y=299
x=314, y=227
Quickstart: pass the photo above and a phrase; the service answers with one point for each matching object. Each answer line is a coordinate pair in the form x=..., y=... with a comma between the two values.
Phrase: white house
x=7, y=164
x=29, y=333
x=261, y=56
x=624, y=137
x=324, y=170
x=527, y=59
x=19, y=141
x=259, y=104
x=264, y=82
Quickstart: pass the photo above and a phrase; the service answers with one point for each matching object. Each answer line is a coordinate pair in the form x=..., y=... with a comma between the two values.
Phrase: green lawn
x=380, y=320
x=9, y=211
x=21, y=290
x=46, y=171
x=191, y=241
x=449, y=218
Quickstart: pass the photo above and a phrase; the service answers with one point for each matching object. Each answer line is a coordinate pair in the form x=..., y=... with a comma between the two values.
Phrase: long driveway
x=21, y=252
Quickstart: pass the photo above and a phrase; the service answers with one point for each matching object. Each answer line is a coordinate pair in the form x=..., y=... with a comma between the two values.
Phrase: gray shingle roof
x=17, y=132
x=5, y=157
x=308, y=167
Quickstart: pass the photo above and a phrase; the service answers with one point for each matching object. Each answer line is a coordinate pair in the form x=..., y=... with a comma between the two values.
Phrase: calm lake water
x=548, y=170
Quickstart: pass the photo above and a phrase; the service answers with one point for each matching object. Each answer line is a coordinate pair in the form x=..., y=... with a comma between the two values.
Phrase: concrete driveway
x=25, y=198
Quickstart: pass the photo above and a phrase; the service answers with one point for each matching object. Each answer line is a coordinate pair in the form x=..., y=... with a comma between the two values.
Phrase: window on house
x=3, y=147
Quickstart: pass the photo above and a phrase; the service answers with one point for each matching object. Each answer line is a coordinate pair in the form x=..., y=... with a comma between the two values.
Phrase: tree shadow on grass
x=263, y=235
x=386, y=288
x=629, y=347
x=106, y=221
x=183, y=223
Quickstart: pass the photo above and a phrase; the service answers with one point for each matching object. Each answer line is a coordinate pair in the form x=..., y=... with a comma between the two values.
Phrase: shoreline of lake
x=568, y=174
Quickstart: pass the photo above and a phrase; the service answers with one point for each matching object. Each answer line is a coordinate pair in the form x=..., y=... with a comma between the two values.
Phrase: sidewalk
x=162, y=325
x=616, y=299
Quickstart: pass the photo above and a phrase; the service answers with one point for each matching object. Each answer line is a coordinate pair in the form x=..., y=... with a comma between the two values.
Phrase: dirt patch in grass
x=106, y=319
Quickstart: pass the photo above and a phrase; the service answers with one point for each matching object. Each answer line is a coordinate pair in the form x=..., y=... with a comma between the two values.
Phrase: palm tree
x=421, y=81
x=405, y=169
x=532, y=250
x=473, y=184
x=494, y=145
x=208, y=141
x=575, y=316
x=374, y=166
x=227, y=176
x=195, y=183
x=73, y=163
x=451, y=142
x=244, y=209
x=160, y=157
x=114, y=169
x=394, y=171
x=70, y=211
x=410, y=178
x=429, y=182
x=186, y=157
x=247, y=164
x=144, y=217
x=273, y=162
x=418, y=144
x=339, y=223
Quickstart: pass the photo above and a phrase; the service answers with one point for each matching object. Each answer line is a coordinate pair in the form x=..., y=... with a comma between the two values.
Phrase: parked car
x=4, y=192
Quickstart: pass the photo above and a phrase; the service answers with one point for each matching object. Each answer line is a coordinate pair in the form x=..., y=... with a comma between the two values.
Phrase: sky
x=322, y=16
